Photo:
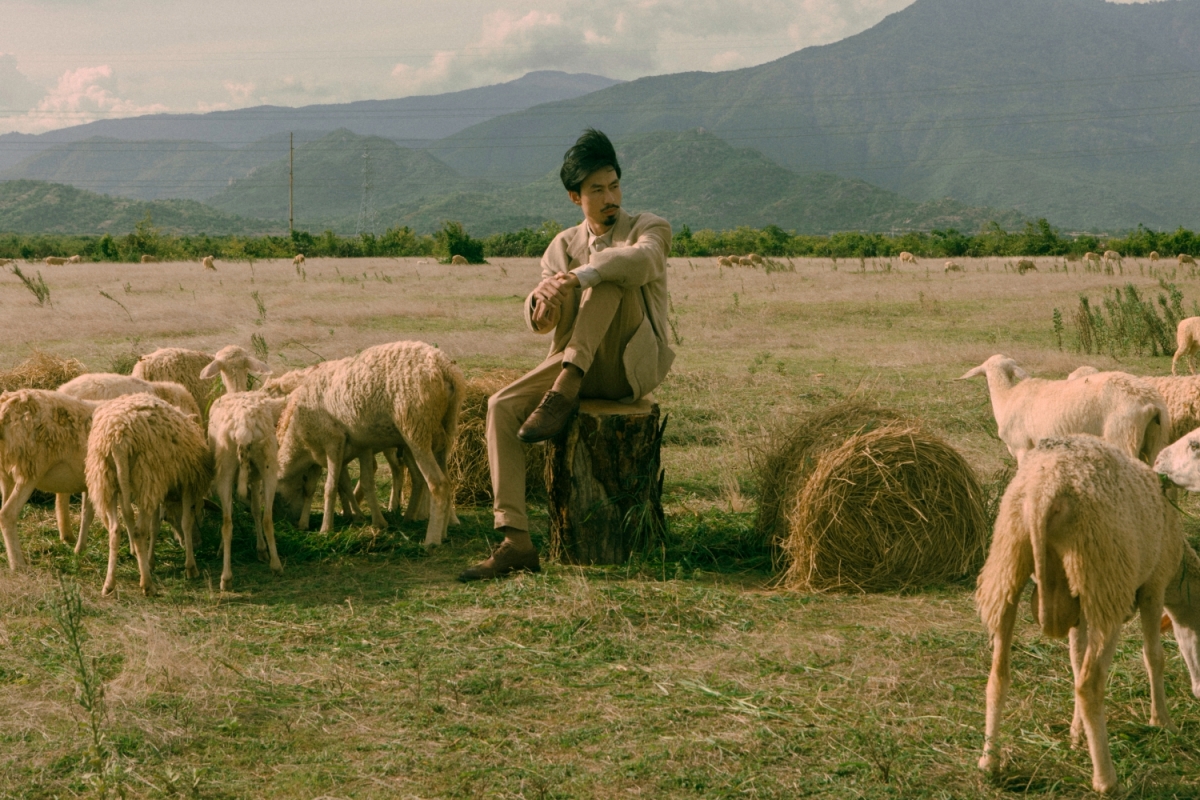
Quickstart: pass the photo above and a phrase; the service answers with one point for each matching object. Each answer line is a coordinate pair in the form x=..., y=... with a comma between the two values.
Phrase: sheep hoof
x=277, y=568
x=264, y=556
x=226, y=584
x=191, y=571
x=107, y=590
x=989, y=762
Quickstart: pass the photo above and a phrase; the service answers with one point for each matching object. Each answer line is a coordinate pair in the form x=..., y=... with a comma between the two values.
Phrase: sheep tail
x=120, y=461
x=243, y=436
x=1057, y=610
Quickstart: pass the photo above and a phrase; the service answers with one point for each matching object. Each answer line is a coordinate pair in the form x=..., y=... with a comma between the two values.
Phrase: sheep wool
x=181, y=366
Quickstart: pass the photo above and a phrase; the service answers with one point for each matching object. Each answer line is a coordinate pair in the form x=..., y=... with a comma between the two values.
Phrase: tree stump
x=604, y=481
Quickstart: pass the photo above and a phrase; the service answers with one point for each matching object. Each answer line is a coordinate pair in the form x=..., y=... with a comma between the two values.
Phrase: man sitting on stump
x=604, y=294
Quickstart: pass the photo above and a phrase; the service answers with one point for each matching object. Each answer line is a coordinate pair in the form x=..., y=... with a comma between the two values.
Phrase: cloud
x=82, y=95
x=17, y=93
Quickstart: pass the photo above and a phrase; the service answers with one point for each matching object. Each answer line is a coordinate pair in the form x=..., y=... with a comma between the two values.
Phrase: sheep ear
x=211, y=371
x=257, y=367
x=1020, y=373
x=971, y=373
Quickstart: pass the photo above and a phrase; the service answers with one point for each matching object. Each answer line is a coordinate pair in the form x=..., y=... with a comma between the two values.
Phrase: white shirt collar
x=596, y=243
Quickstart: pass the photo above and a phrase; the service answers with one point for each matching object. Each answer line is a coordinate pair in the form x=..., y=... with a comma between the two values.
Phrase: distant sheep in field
x=55, y=261
x=1184, y=258
x=1154, y=255
x=907, y=258
x=1112, y=255
x=1187, y=342
x=180, y=366
x=1025, y=265
x=1113, y=405
x=755, y=259
x=43, y=444
x=207, y=261
x=724, y=261
x=1092, y=527
x=74, y=260
x=458, y=260
x=149, y=260
x=1091, y=258
x=241, y=434
x=298, y=260
x=144, y=453
x=952, y=267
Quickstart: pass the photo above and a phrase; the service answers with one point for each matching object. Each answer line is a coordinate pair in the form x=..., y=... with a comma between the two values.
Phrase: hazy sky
x=63, y=62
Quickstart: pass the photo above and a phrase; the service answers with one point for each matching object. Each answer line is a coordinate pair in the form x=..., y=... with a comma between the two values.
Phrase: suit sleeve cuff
x=588, y=277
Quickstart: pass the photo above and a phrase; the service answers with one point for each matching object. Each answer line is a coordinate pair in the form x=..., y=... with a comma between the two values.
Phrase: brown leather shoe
x=549, y=418
x=504, y=560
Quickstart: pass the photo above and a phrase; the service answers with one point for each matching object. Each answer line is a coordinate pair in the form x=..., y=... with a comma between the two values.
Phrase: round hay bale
x=782, y=465
x=40, y=371
x=468, y=461
x=890, y=509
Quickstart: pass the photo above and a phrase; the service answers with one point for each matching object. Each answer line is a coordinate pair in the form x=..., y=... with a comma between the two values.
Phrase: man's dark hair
x=591, y=152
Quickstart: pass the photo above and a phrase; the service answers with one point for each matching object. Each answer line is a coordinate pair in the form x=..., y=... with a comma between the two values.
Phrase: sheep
x=54, y=261
x=298, y=260
x=755, y=259
x=724, y=261
x=108, y=386
x=1025, y=265
x=402, y=393
x=952, y=267
x=1184, y=258
x=207, y=261
x=149, y=259
x=1091, y=258
x=458, y=260
x=241, y=435
x=43, y=443
x=1181, y=395
x=234, y=366
x=1187, y=341
x=1094, y=529
x=1154, y=255
x=181, y=366
x=1112, y=255
x=74, y=259
x=744, y=261
x=1114, y=405
x=144, y=452
x=907, y=258
x=1180, y=464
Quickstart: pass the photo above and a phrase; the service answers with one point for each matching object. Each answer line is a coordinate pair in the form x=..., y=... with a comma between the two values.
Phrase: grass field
x=366, y=671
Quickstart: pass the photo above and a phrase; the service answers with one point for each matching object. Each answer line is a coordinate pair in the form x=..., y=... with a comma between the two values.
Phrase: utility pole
x=291, y=159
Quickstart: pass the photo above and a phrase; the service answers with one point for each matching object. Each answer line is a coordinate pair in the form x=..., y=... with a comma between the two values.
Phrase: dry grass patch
x=40, y=371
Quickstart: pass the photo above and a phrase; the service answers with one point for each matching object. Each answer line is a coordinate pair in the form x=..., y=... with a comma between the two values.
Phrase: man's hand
x=549, y=296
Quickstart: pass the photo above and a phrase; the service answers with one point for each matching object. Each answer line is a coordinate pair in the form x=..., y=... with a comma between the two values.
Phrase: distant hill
x=37, y=207
x=421, y=118
x=691, y=178
x=1078, y=110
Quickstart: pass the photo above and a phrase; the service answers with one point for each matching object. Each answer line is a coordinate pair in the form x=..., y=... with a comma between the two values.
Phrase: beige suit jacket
x=637, y=259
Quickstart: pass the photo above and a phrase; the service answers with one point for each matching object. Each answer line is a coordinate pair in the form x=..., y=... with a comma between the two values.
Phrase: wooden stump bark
x=604, y=480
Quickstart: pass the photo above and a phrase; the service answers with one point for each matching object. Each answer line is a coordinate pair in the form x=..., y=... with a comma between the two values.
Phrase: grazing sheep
x=298, y=260
x=149, y=260
x=391, y=395
x=144, y=452
x=907, y=258
x=241, y=434
x=1092, y=258
x=1181, y=395
x=43, y=444
x=234, y=365
x=108, y=386
x=755, y=259
x=54, y=261
x=207, y=261
x=1116, y=406
x=1025, y=265
x=1112, y=255
x=181, y=366
x=1184, y=258
x=1093, y=528
x=1187, y=341
x=724, y=261
x=1154, y=255
x=458, y=260
x=952, y=267
x=74, y=260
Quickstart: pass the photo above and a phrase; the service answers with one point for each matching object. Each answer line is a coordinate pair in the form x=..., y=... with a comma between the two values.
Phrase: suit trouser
x=607, y=318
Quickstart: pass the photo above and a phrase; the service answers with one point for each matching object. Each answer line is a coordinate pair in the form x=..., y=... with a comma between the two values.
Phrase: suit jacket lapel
x=623, y=227
x=578, y=247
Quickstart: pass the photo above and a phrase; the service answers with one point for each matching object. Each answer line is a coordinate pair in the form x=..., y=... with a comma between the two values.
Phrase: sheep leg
x=1152, y=654
x=260, y=541
x=188, y=524
x=349, y=503
x=1089, y=693
x=62, y=515
x=333, y=466
x=367, y=467
x=86, y=513
x=452, y=517
x=439, y=487
x=418, y=501
x=269, y=481
x=997, y=687
x=143, y=550
x=225, y=496
x=1078, y=640
x=397, y=470
x=308, y=486
x=113, y=523
x=15, y=499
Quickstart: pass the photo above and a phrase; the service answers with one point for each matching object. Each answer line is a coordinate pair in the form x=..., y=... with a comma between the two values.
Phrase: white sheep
x=43, y=444
x=1180, y=463
x=298, y=260
x=391, y=395
x=109, y=385
x=724, y=261
x=1187, y=342
x=144, y=452
x=1181, y=395
x=181, y=366
x=241, y=434
x=149, y=259
x=1116, y=406
x=234, y=366
x=1154, y=255
x=952, y=267
x=1092, y=258
x=755, y=259
x=1184, y=258
x=458, y=260
x=207, y=261
x=1026, y=265
x=1112, y=255
x=74, y=260
x=55, y=261
x=907, y=257
x=1091, y=525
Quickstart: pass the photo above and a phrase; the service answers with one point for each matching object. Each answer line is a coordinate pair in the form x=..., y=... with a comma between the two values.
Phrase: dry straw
x=40, y=371
x=469, y=461
x=893, y=508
